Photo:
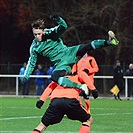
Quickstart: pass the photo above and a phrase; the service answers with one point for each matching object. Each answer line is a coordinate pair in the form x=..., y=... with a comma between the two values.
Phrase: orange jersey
x=86, y=62
x=58, y=91
x=89, y=63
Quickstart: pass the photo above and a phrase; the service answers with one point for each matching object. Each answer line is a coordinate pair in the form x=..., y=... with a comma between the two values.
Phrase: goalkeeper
x=63, y=101
x=48, y=43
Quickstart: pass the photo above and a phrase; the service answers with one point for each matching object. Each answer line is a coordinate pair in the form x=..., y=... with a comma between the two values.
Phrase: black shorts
x=61, y=106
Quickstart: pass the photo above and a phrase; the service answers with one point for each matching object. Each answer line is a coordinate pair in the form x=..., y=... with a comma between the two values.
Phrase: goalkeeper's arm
x=45, y=94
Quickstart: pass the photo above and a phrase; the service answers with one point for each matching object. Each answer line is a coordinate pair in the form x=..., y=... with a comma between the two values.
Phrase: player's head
x=38, y=29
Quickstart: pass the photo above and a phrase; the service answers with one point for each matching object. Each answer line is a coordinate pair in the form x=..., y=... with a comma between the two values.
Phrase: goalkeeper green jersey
x=52, y=47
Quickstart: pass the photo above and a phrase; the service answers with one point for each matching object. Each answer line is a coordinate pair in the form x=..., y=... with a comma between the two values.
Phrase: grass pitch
x=20, y=115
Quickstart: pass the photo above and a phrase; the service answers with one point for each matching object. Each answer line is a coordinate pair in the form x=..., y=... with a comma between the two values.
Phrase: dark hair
x=38, y=24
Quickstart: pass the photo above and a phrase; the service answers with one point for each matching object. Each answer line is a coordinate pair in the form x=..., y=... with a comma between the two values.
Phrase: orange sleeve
x=94, y=67
x=48, y=91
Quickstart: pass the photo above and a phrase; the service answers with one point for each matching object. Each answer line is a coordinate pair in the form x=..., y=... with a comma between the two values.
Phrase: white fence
x=47, y=76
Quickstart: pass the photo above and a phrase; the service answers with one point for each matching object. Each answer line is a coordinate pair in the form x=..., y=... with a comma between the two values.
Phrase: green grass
x=21, y=115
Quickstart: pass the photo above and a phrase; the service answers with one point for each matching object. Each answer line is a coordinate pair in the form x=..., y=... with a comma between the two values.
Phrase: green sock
x=98, y=43
x=68, y=83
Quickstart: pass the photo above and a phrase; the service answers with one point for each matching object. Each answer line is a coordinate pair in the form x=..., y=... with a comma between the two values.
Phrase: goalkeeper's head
x=38, y=29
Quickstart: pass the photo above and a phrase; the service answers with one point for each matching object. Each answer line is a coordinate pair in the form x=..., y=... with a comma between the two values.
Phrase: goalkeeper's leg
x=87, y=103
x=85, y=127
x=40, y=128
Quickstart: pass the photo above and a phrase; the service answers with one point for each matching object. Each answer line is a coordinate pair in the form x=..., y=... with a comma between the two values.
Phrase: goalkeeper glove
x=39, y=104
x=54, y=17
x=23, y=80
x=95, y=93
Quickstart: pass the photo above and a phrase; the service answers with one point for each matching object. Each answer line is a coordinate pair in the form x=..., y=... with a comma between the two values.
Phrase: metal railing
x=48, y=76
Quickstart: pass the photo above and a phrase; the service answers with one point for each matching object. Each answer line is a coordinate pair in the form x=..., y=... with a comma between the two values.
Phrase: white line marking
x=33, y=117
x=59, y=132
x=18, y=107
x=116, y=109
x=114, y=114
x=15, y=118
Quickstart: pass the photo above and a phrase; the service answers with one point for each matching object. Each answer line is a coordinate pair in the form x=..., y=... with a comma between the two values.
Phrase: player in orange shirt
x=63, y=101
x=86, y=69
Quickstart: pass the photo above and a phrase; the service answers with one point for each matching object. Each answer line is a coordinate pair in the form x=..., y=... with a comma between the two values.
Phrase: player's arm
x=48, y=91
x=62, y=26
x=94, y=67
x=31, y=63
x=57, y=31
x=45, y=94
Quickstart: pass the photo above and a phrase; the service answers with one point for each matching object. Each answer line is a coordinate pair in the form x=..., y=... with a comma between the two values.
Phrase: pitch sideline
x=58, y=132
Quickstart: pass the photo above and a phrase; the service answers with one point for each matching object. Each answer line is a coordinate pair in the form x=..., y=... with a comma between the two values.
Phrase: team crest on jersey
x=83, y=64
